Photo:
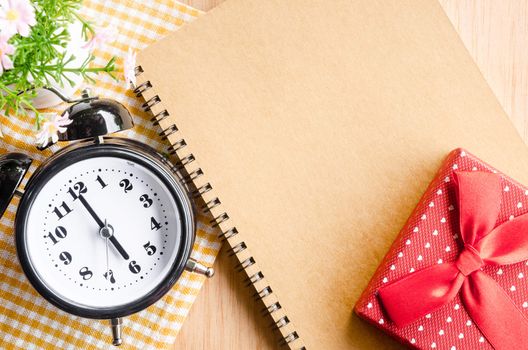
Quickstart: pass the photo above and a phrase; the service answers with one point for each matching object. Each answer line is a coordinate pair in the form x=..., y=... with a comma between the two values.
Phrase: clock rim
x=125, y=149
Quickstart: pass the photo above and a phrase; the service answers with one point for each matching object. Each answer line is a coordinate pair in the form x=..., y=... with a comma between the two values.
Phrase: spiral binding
x=283, y=321
x=245, y=264
x=198, y=192
x=169, y=131
x=159, y=117
x=263, y=293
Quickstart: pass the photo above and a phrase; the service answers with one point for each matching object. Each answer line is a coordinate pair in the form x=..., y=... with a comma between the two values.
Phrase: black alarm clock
x=105, y=226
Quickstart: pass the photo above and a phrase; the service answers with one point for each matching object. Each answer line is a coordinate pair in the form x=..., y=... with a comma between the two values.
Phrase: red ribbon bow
x=498, y=318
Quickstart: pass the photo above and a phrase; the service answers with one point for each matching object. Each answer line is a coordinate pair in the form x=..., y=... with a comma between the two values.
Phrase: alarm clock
x=104, y=227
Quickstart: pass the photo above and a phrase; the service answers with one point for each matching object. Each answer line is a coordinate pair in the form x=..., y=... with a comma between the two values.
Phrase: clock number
x=101, y=182
x=154, y=225
x=134, y=267
x=149, y=248
x=62, y=212
x=78, y=189
x=65, y=257
x=60, y=232
x=127, y=186
x=146, y=199
x=110, y=276
x=85, y=273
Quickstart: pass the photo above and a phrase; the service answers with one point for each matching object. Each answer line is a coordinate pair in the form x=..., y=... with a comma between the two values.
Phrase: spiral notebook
x=309, y=131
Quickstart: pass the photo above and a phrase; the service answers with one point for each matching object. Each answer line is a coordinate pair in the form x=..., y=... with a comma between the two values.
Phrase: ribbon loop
x=479, y=199
x=469, y=260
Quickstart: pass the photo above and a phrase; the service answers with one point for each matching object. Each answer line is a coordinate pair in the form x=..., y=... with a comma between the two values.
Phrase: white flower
x=129, y=67
x=52, y=124
x=5, y=50
x=16, y=16
x=102, y=36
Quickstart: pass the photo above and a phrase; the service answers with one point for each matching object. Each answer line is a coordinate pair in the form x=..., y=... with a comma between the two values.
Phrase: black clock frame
x=124, y=149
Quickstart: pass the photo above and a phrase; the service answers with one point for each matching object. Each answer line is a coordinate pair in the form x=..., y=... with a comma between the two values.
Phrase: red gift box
x=431, y=237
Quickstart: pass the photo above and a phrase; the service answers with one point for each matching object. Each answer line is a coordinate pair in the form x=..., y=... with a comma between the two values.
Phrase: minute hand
x=101, y=224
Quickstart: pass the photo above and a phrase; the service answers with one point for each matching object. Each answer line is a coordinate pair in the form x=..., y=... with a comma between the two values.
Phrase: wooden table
x=496, y=35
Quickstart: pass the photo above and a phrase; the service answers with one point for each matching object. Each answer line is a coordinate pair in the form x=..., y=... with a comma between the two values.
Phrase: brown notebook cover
x=317, y=125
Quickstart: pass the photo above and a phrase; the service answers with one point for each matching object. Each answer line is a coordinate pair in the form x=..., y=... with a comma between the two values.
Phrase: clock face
x=104, y=232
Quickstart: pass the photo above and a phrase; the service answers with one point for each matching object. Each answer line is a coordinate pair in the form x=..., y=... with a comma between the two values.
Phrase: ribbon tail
x=498, y=318
x=415, y=295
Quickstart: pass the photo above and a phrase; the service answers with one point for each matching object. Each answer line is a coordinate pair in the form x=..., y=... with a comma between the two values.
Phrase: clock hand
x=107, y=265
x=91, y=211
x=119, y=247
x=101, y=224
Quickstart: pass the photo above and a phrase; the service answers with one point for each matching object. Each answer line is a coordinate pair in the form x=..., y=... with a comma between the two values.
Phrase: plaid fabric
x=26, y=319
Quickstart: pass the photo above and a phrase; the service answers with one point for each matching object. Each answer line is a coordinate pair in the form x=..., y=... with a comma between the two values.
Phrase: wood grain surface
x=496, y=35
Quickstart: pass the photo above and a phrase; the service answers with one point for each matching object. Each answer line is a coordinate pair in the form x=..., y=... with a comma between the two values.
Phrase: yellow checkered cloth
x=27, y=321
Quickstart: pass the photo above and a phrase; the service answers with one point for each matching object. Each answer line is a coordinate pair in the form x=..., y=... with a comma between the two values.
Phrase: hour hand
x=119, y=247
x=101, y=224
x=91, y=211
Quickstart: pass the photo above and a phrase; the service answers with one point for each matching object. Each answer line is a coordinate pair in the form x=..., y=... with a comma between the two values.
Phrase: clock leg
x=116, y=324
x=196, y=267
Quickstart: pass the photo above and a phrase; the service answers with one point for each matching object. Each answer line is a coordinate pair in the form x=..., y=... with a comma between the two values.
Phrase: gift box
x=455, y=277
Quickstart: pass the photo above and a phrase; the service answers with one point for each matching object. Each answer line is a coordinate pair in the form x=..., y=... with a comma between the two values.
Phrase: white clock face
x=78, y=208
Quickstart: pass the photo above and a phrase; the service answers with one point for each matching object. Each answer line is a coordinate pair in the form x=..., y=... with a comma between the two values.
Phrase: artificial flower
x=52, y=125
x=102, y=36
x=5, y=50
x=16, y=16
x=130, y=67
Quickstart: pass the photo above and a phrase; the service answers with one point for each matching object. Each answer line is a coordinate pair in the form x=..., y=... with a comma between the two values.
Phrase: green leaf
x=37, y=60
